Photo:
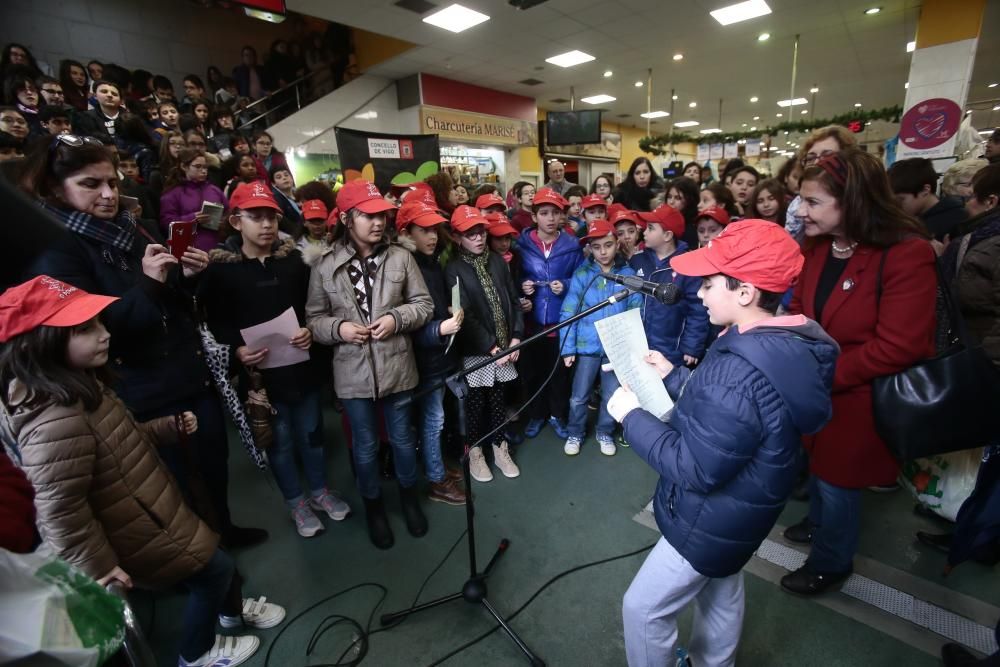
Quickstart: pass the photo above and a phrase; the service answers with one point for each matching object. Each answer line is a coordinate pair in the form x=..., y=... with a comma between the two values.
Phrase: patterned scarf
x=481, y=263
x=118, y=233
x=362, y=275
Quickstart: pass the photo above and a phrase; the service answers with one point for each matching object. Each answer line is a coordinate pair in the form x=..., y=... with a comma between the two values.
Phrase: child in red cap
x=365, y=297
x=580, y=345
x=314, y=216
x=710, y=222
x=574, y=210
x=728, y=454
x=628, y=228
x=105, y=501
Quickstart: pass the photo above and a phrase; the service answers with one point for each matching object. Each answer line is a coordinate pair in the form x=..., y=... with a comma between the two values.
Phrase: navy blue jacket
x=728, y=453
x=678, y=329
x=562, y=261
x=428, y=344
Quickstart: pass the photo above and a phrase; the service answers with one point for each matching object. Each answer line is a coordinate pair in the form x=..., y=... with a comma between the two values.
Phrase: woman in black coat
x=640, y=186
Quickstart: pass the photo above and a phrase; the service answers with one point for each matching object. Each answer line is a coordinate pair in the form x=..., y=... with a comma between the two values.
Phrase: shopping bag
x=943, y=482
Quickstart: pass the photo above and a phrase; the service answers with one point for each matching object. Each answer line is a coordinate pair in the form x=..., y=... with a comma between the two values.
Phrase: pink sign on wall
x=927, y=128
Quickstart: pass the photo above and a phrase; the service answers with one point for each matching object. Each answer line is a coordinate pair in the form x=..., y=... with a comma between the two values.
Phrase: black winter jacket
x=477, y=335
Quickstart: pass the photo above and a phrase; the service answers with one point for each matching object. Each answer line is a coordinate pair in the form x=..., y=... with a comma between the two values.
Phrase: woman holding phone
x=187, y=195
x=155, y=352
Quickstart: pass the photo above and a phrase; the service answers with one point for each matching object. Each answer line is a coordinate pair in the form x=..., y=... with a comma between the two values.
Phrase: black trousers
x=534, y=366
x=485, y=412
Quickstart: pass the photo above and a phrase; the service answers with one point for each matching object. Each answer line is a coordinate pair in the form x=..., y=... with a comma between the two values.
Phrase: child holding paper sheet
x=252, y=279
x=581, y=347
x=727, y=455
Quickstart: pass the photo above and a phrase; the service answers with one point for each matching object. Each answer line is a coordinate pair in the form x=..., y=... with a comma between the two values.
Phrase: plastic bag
x=943, y=482
x=54, y=614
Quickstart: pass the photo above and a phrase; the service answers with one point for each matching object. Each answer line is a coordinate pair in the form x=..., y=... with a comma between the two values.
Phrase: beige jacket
x=103, y=496
x=377, y=368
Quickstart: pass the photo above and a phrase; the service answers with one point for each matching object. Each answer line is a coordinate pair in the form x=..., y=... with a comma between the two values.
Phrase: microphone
x=665, y=293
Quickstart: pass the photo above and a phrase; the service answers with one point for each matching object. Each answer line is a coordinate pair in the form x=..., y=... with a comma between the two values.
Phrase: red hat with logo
x=46, y=301
x=754, y=251
x=314, y=209
x=667, y=217
x=499, y=224
x=627, y=216
x=548, y=196
x=590, y=201
x=256, y=194
x=466, y=217
x=417, y=213
x=614, y=208
x=716, y=213
x=598, y=229
x=491, y=199
x=419, y=191
x=362, y=195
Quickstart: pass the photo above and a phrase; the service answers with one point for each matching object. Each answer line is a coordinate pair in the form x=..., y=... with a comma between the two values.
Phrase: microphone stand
x=474, y=588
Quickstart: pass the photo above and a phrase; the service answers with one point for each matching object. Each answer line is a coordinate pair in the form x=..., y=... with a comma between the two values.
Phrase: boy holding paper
x=727, y=455
x=253, y=278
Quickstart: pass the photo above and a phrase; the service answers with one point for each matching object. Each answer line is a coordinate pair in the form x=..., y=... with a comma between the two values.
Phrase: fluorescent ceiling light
x=873, y=10
x=992, y=85
x=570, y=58
x=743, y=125
x=367, y=115
x=674, y=97
x=996, y=108
x=638, y=84
x=814, y=89
x=456, y=18
x=598, y=99
x=756, y=117
x=857, y=105
x=753, y=129
x=763, y=37
x=741, y=11
x=906, y=85
x=686, y=123
x=911, y=47
x=778, y=115
x=678, y=56
x=791, y=103
x=804, y=111
x=655, y=114
x=753, y=99
x=711, y=131
x=985, y=132
x=608, y=73
x=693, y=105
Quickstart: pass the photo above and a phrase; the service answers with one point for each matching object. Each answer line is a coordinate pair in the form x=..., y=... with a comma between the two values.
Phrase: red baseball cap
x=716, y=213
x=754, y=251
x=625, y=216
x=256, y=194
x=362, y=195
x=598, y=229
x=499, y=224
x=665, y=216
x=614, y=208
x=418, y=213
x=333, y=218
x=46, y=301
x=466, y=217
x=491, y=199
x=419, y=191
x=313, y=209
x=590, y=201
x=548, y=196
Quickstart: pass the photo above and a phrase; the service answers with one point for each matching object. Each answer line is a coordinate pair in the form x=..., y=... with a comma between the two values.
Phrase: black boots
x=378, y=524
x=800, y=533
x=416, y=522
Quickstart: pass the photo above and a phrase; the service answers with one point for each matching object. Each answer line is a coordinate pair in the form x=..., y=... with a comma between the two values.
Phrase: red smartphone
x=180, y=236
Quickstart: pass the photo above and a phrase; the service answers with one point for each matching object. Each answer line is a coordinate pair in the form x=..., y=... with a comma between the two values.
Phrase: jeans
x=666, y=584
x=207, y=589
x=835, y=513
x=361, y=413
x=430, y=422
x=586, y=371
x=298, y=426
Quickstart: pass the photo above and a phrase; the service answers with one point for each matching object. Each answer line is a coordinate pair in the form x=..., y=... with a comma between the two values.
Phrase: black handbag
x=944, y=404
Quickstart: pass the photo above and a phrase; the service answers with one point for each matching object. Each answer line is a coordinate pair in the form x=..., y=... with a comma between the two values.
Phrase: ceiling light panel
x=791, y=103
x=741, y=11
x=570, y=58
x=655, y=114
x=686, y=123
x=598, y=99
x=456, y=18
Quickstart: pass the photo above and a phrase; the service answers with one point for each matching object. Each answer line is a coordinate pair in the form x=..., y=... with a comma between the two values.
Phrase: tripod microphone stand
x=474, y=589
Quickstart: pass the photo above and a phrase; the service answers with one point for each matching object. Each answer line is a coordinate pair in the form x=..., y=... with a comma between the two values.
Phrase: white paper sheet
x=624, y=342
x=456, y=303
x=274, y=335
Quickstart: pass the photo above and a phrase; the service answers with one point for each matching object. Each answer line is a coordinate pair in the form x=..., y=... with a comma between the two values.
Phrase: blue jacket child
x=563, y=259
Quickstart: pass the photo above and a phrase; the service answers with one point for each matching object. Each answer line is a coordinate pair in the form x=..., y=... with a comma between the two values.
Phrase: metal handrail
x=298, y=98
x=135, y=648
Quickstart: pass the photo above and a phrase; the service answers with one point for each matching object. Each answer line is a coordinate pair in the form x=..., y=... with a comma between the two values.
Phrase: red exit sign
x=856, y=126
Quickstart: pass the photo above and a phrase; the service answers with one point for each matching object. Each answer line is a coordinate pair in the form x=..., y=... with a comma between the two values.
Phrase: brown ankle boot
x=447, y=491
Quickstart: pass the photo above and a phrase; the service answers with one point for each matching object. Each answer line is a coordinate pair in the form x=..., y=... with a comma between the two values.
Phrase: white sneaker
x=501, y=457
x=478, y=467
x=332, y=504
x=226, y=652
x=257, y=613
x=572, y=446
x=607, y=443
x=306, y=522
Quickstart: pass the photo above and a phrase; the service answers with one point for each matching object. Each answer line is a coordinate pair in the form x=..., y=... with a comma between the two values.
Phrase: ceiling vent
x=416, y=6
x=624, y=115
x=559, y=100
x=530, y=82
x=525, y=4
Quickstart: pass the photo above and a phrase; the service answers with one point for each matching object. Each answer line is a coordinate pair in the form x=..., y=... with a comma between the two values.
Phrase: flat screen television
x=563, y=128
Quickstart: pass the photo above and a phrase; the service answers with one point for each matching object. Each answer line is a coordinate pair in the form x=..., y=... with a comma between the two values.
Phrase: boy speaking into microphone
x=727, y=455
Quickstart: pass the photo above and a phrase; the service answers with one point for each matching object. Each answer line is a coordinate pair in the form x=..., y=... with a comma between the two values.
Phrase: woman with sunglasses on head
x=821, y=142
x=185, y=192
x=155, y=353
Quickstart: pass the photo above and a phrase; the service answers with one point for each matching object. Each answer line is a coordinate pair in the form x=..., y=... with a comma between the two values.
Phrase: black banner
x=387, y=159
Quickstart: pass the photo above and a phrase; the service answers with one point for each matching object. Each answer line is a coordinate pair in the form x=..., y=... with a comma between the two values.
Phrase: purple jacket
x=183, y=203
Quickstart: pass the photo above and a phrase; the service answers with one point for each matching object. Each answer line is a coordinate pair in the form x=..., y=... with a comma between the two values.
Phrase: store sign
x=703, y=153
x=479, y=128
x=753, y=147
x=929, y=127
x=731, y=150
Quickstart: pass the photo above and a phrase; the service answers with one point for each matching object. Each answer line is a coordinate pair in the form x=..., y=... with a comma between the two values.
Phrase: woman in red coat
x=851, y=220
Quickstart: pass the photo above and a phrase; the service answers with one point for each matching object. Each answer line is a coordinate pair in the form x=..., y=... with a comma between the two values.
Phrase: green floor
x=560, y=513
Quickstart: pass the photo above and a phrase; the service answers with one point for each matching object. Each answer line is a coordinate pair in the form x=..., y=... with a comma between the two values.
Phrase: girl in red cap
x=105, y=501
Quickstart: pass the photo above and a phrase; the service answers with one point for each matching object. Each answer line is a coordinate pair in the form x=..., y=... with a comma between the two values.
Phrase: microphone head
x=667, y=293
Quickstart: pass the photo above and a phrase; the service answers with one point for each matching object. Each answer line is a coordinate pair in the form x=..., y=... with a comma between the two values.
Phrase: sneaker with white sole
x=306, y=522
x=226, y=652
x=572, y=446
x=607, y=444
x=478, y=467
x=258, y=613
x=332, y=504
x=503, y=461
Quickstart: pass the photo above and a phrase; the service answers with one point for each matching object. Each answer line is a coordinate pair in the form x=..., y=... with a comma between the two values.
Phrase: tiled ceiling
x=850, y=56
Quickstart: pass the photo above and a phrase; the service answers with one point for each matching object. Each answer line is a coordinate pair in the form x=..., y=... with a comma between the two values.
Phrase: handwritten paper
x=624, y=342
x=274, y=335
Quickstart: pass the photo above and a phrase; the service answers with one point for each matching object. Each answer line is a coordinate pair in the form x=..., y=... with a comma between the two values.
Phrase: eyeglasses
x=474, y=233
x=53, y=91
x=813, y=158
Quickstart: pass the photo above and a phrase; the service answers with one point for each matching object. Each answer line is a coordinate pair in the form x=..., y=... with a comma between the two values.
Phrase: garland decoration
x=657, y=145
